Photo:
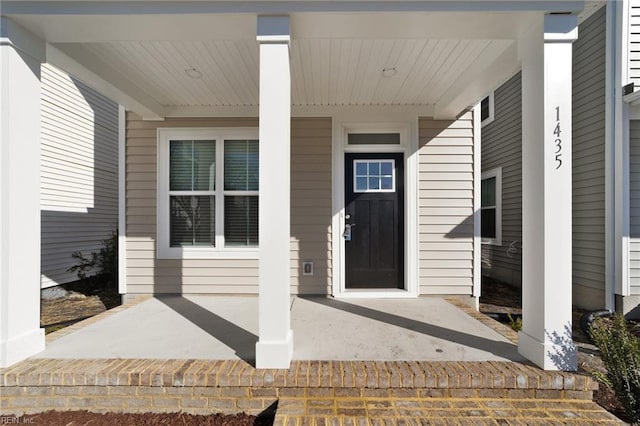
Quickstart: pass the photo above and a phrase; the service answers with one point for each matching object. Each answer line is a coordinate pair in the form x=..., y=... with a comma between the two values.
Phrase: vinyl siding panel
x=310, y=215
x=589, y=162
x=446, y=205
x=502, y=147
x=311, y=204
x=634, y=42
x=634, y=200
x=79, y=165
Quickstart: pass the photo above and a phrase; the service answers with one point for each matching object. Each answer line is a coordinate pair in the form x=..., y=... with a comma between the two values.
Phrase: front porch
x=435, y=360
x=269, y=66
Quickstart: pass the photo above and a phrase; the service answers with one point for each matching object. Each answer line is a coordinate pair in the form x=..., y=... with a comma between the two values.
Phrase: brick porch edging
x=229, y=386
x=301, y=374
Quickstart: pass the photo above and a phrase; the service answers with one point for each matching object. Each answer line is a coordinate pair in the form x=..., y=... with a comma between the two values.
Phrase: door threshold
x=373, y=293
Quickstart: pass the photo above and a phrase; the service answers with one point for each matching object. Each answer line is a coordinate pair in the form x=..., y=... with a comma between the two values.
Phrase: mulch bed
x=77, y=418
x=84, y=299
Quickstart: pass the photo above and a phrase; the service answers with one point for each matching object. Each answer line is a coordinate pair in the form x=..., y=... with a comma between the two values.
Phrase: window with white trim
x=491, y=206
x=207, y=193
x=487, y=110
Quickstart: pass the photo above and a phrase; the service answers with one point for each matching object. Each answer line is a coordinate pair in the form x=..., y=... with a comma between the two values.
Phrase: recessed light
x=193, y=73
x=389, y=72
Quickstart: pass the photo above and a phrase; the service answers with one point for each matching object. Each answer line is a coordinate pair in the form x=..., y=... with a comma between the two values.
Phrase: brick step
x=202, y=385
x=309, y=402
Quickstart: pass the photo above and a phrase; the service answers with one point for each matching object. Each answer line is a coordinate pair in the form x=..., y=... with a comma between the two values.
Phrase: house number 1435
x=558, y=140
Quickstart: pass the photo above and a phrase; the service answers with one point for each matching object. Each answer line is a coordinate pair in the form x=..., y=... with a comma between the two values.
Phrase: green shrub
x=515, y=323
x=102, y=265
x=620, y=352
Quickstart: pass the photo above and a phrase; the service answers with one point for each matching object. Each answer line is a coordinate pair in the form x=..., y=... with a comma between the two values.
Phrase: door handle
x=347, y=231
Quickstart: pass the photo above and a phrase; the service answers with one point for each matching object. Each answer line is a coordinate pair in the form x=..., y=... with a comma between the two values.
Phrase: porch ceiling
x=324, y=71
x=442, y=62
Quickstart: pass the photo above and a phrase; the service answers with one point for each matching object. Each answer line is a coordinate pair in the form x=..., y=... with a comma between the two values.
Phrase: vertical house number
x=558, y=140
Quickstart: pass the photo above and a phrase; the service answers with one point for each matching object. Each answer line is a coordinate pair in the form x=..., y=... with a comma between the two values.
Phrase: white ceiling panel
x=229, y=70
x=349, y=71
x=325, y=72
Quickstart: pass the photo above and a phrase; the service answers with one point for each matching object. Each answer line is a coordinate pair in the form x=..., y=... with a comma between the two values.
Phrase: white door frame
x=408, y=146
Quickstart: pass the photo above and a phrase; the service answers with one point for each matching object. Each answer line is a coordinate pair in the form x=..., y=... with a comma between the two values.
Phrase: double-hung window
x=491, y=206
x=207, y=193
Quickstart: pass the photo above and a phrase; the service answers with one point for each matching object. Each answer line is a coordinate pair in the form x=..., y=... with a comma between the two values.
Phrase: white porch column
x=275, y=345
x=546, y=55
x=21, y=54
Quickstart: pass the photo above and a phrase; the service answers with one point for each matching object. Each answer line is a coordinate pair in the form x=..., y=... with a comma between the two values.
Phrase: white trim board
x=122, y=200
x=477, y=214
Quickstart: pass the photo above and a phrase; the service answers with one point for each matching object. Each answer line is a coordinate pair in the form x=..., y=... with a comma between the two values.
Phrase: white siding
x=634, y=42
x=310, y=215
x=446, y=205
x=589, y=162
x=502, y=147
x=634, y=240
x=79, y=181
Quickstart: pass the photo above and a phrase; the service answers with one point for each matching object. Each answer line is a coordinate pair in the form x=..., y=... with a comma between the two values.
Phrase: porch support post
x=275, y=346
x=21, y=54
x=546, y=55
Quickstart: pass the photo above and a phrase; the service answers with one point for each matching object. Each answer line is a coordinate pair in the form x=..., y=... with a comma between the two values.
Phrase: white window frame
x=491, y=116
x=494, y=173
x=164, y=250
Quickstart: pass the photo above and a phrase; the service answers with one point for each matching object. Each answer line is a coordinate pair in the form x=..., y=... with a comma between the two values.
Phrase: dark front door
x=374, y=218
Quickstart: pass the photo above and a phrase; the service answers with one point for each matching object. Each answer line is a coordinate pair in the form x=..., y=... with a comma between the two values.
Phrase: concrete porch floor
x=226, y=328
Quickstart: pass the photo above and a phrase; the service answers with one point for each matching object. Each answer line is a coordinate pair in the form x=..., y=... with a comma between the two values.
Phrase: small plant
x=620, y=352
x=103, y=265
x=515, y=323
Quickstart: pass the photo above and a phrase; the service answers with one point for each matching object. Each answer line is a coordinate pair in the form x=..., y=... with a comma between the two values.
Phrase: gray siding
x=634, y=201
x=589, y=162
x=310, y=215
x=446, y=205
x=502, y=147
x=79, y=180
